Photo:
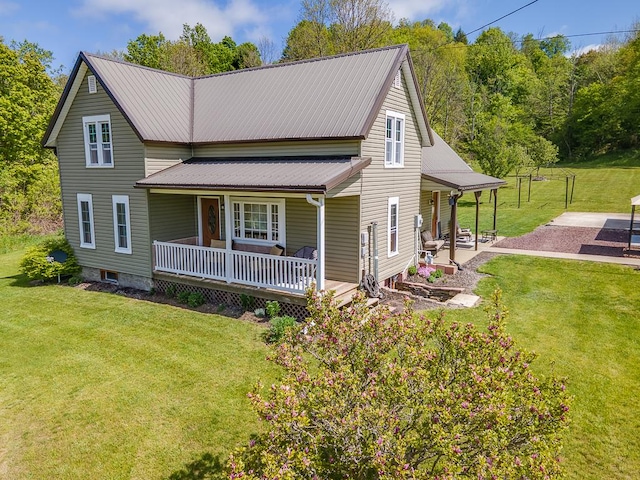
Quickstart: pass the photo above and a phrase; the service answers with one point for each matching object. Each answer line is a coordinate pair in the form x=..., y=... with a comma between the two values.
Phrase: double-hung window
x=258, y=220
x=393, y=238
x=121, y=223
x=97, y=141
x=85, y=219
x=394, y=140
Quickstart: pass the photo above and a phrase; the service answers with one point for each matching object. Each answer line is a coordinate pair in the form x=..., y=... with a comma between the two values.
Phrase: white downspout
x=319, y=204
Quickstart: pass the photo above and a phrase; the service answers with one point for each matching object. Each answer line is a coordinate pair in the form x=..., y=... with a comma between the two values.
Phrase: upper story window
x=394, y=140
x=258, y=220
x=97, y=141
x=85, y=218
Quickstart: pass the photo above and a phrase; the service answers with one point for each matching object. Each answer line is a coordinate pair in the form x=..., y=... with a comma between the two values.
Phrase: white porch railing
x=289, y=274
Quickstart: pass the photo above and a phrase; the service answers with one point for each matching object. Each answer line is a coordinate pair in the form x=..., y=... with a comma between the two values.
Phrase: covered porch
x=257, y=223
x=445, y=179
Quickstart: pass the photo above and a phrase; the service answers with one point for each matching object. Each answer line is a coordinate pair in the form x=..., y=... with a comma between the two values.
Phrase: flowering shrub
x=425, y=271
x=370, y=394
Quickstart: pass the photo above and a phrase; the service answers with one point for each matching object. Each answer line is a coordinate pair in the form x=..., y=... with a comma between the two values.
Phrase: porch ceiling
x=282, y=174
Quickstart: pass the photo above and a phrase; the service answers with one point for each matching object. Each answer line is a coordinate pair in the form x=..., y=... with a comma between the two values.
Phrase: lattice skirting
x=219, y=297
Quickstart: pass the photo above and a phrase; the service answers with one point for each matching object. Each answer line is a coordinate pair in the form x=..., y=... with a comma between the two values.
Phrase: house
x=216, y=182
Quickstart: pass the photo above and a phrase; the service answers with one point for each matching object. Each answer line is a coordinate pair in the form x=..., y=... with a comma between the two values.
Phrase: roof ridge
x=262, y=67
x=306, y=60
x=136, y=65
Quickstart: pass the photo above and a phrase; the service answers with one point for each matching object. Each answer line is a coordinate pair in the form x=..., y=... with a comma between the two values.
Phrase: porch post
x=319, y=204
x=228, y=228
x=321, y=245
x=453, y=228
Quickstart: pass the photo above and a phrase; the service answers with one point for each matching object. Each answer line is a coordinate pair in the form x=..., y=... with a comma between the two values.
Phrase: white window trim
x=87, y=153
x=86, y=197
x=115, y=199
x=261, y=200
x=393, y=201
x=392, y=163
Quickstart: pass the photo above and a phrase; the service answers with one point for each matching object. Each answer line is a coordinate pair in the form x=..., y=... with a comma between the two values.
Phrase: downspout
x=374, y=243
x=319, y=204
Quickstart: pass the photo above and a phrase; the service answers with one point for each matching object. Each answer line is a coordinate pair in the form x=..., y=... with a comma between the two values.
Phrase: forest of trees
x=504, y=101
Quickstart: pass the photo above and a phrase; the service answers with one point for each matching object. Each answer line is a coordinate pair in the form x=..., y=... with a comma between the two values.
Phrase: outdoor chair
x=429, y=244
x=463, y=234
x=308, y=253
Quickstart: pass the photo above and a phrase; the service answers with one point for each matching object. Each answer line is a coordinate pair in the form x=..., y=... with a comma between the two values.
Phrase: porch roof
x=464, y=181
x=442, y=165
x=268, y=174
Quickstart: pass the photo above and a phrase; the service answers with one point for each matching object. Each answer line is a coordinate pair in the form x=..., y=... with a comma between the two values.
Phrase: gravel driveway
x=585, y=240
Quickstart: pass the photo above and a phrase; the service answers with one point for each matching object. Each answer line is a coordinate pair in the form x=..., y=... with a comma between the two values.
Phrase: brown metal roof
x=283, y=174
x=321, y=98
x=441, y=164
x=157, y=104
x=335, y=97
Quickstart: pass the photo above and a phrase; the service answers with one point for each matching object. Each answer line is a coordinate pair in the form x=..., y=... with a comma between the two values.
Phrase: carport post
x=477, y=194
x=495, y=206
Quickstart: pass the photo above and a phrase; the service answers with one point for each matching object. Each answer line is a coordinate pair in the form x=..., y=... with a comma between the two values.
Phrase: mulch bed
x=585, y=240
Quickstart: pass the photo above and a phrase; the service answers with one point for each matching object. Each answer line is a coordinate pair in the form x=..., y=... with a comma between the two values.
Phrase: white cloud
x=586, y=48
x=168, y=16
x=7, y=8
x=419, y=9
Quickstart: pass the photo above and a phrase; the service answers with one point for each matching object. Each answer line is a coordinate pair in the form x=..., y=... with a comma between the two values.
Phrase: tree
x=338, y=26
x=29, y=189
x=441, y=75
x=307, y=39
x=193, y=54
x=370, y=394
x=148, y=50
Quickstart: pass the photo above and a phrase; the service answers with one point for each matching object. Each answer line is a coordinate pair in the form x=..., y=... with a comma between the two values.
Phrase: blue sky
x=66, y=27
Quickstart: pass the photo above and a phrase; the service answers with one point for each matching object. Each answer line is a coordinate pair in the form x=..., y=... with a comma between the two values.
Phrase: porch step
x=345, y=300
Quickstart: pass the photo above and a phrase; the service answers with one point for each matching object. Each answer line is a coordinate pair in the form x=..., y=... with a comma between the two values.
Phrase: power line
x=522, y=39
x=504, y=16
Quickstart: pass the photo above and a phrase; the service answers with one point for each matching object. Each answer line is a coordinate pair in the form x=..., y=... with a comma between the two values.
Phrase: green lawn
x=96, y=385
x=583, y=319
x=603, y=184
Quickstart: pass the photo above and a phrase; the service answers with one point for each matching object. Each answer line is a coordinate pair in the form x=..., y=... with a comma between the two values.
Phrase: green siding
x=380, y=183
x=172, y=217
x=160, y=156
x=272, y=149
x=301, y=224
x=128, y=160
x=341, y=234
x=342, y=239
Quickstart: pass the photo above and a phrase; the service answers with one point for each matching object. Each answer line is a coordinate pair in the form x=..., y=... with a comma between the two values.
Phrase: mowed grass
x=603, y=184
x=96, y=385
x=583, y=319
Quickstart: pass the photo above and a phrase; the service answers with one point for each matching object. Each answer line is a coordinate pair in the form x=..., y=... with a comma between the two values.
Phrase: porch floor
x=465, y=251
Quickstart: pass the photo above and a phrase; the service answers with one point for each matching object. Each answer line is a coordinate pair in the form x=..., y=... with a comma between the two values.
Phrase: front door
x=210, y=220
